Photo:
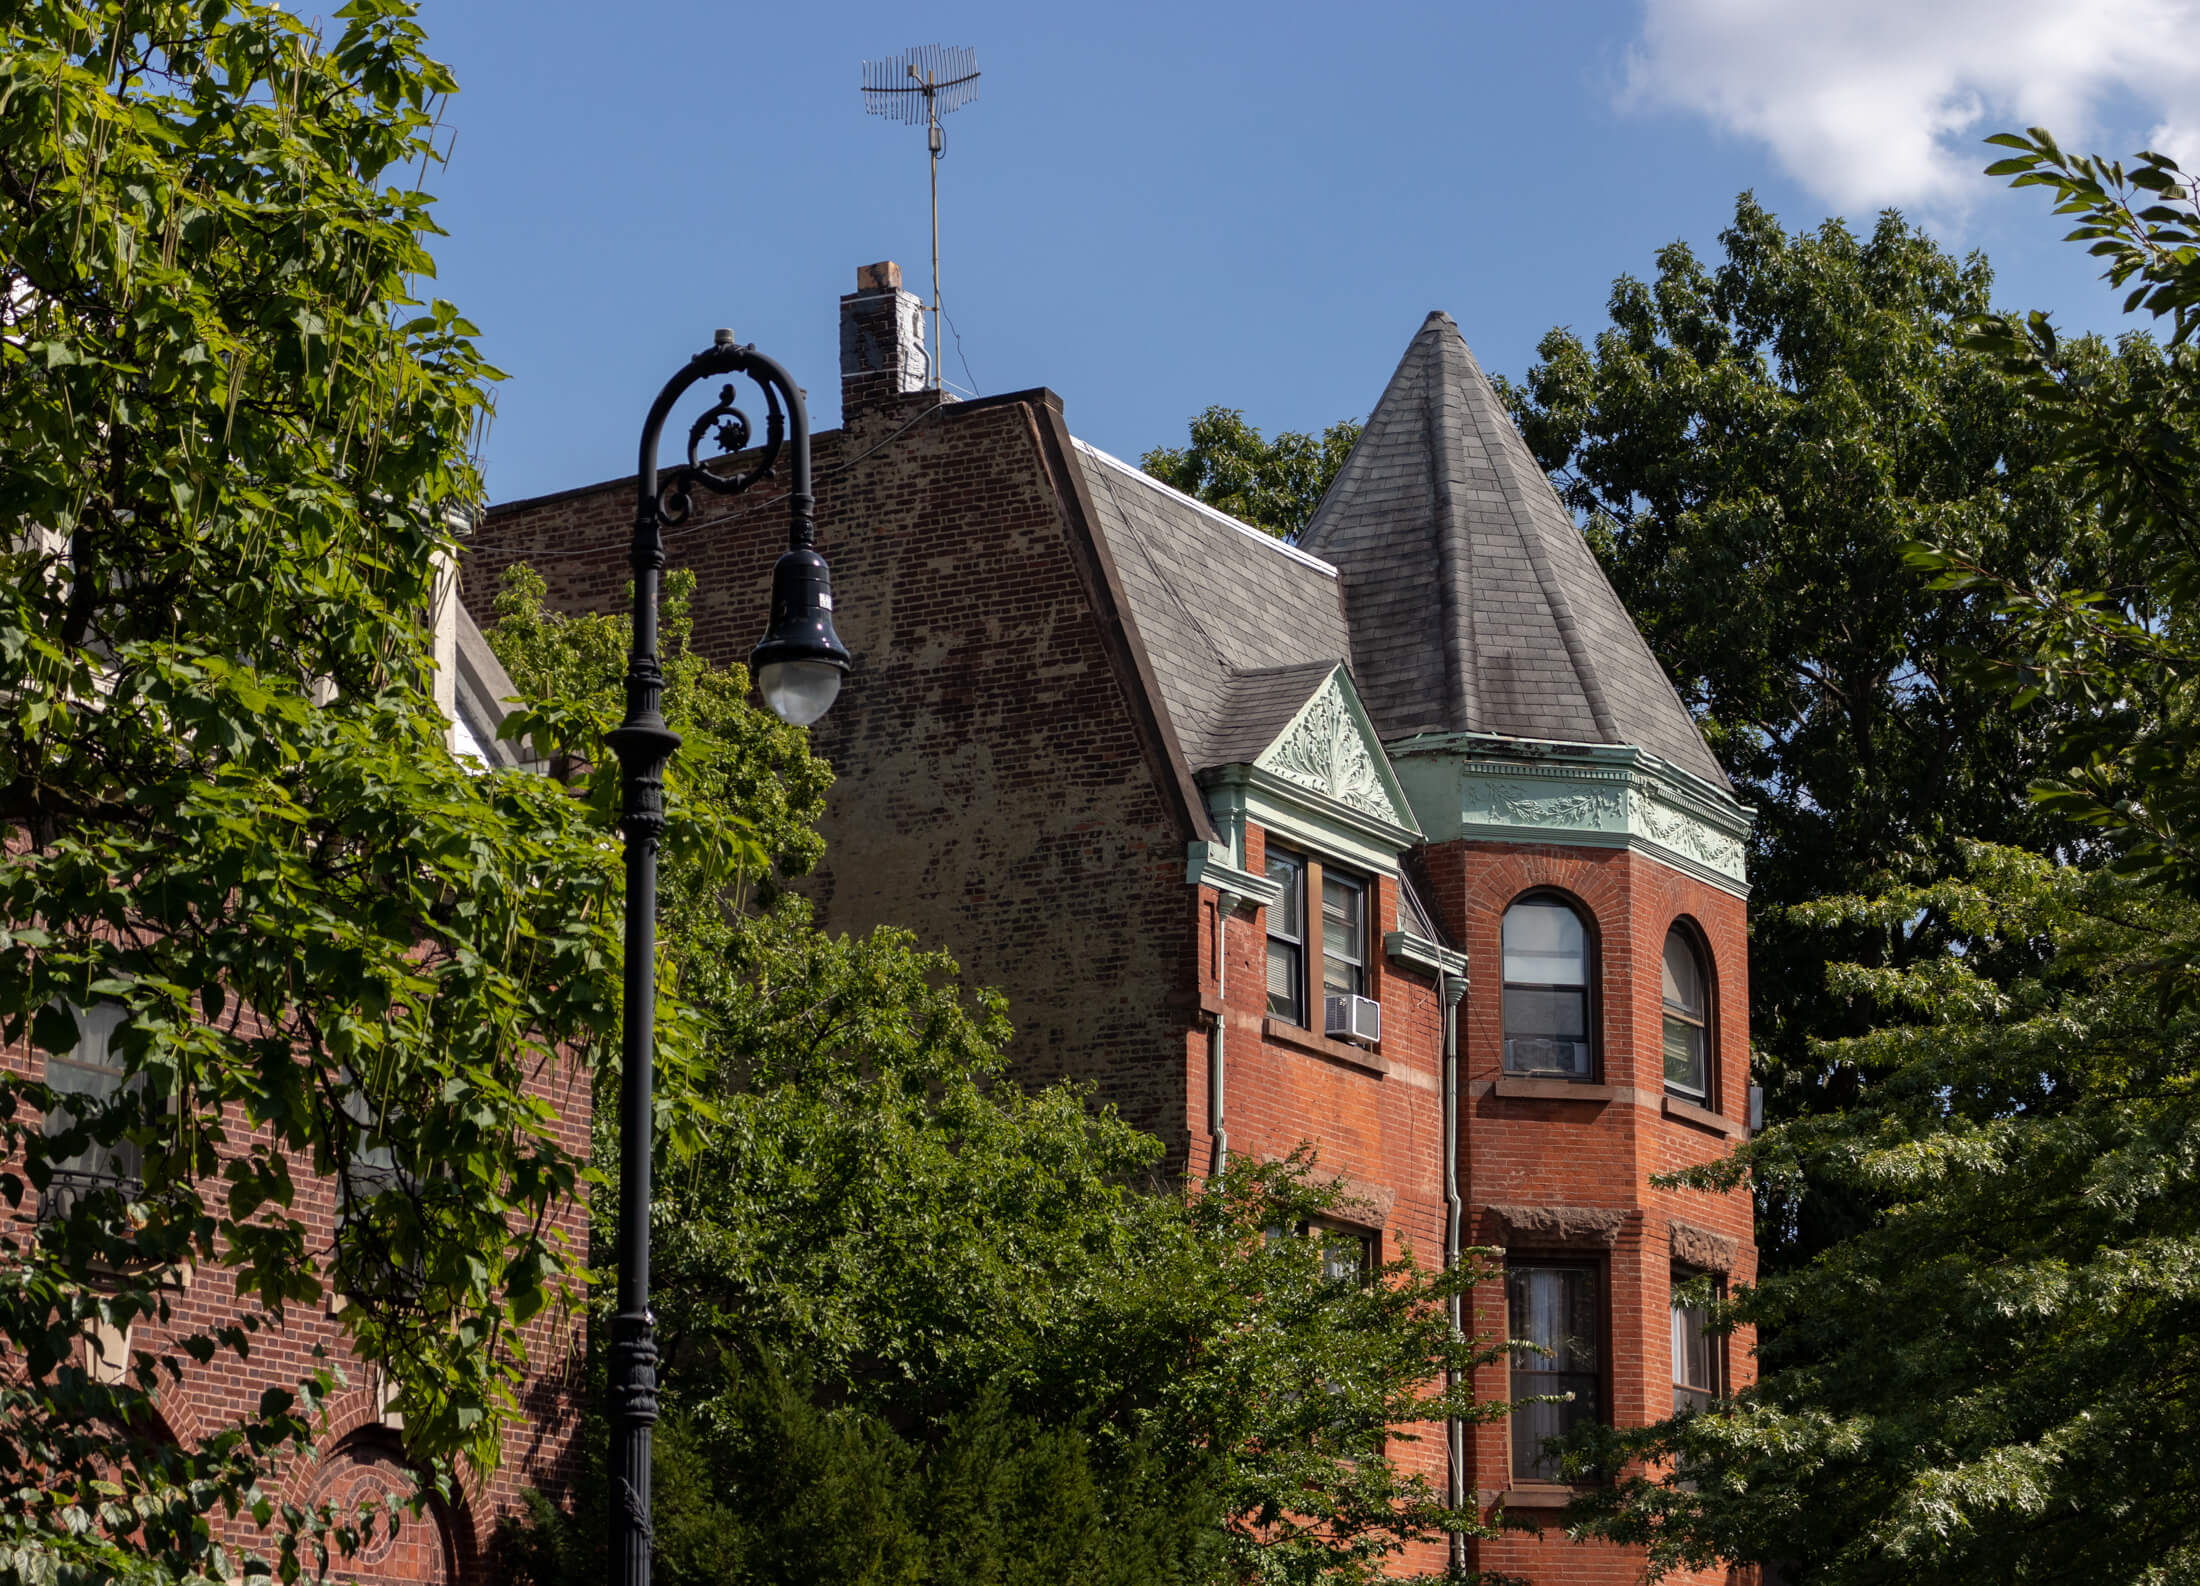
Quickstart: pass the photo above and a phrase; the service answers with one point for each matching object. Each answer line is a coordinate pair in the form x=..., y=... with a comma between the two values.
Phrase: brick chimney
x=882, y=351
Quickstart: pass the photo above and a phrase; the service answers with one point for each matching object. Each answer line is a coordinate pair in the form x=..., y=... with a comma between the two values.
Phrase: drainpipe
x=1219, y=1136
x=1455, y=1431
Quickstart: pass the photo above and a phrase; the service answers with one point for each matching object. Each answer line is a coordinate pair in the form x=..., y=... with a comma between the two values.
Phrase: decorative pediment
x=1329, y=748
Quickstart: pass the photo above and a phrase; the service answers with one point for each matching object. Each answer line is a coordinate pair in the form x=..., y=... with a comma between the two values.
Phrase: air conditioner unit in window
x=1353, y=1018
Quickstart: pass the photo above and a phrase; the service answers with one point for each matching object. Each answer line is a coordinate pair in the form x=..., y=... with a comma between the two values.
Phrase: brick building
x=1396, y=840
x=359, y=1454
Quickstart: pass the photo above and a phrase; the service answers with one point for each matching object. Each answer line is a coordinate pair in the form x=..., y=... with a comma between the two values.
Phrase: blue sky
x=1152, y=208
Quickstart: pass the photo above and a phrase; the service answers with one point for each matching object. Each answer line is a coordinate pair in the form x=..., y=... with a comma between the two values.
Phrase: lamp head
x=801, y=661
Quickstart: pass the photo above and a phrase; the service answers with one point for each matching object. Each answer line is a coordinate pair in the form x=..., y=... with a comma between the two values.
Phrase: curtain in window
x=1556, y=1307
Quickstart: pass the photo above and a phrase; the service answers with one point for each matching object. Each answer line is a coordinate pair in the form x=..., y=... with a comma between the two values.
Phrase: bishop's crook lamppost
x=798, y=667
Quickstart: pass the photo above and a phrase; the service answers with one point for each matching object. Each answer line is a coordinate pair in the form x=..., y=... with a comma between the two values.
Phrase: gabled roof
x=1239, y=628
x=1475, y=603
x=480, y=692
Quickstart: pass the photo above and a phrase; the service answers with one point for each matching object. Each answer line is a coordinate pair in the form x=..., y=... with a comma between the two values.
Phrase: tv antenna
x=917, y=87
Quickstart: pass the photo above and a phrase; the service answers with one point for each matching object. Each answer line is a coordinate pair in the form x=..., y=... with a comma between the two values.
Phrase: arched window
x=1547, y=990
x=1687, y=1020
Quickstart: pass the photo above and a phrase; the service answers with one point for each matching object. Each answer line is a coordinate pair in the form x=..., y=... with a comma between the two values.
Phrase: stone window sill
x=1703, y=1118
x=1539, y=1497
x=1525, y=1089
x=1286, y=1034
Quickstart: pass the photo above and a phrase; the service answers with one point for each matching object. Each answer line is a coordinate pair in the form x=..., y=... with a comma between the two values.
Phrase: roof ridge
x=1285, y=547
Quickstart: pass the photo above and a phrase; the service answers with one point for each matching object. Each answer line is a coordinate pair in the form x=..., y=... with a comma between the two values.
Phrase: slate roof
x=1239, y=628
x=1475, y=603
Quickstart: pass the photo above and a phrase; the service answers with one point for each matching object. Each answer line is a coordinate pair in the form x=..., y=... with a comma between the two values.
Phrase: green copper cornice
x=1494, y=789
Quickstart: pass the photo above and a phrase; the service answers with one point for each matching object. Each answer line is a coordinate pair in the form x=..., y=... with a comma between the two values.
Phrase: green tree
x=1272, y=484
x=231, y=446
x=1995, y=1378
x=989, y=1301
x=1751, y=446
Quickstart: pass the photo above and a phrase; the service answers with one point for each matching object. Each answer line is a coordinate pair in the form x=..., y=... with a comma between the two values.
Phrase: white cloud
x=1871, y=102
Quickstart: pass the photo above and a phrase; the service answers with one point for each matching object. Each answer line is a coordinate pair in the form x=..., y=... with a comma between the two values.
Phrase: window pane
x=1283, y=914
x=1344, y=938
x=91, y=1070
x=1683, y=975
x=1546, y=1032
x=1346, y=1257
x=1283, y=980
x=1684, y=1067
x=1341, y=924
x=1556, y=1307
x=1691, y=1348
x=1545, y=944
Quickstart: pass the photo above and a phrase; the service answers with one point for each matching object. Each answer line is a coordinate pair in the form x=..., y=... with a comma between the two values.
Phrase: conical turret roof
x=1475, y=604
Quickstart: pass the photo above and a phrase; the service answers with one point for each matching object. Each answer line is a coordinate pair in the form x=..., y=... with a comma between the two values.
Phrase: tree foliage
x=1752, y=445
x=1994, y=1378
x=1272, y=484
x=231, y=446
x=879, y=1256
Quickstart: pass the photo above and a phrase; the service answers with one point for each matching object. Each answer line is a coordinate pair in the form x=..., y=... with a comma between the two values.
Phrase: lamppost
x=798, y=667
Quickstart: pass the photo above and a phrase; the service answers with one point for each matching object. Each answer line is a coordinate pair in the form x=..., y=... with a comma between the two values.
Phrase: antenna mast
x=917, y=87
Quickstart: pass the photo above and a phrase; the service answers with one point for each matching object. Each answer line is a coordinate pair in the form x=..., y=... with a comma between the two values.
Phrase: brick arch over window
x=368, y=1465
x=1549, y=969
x=1689, y=997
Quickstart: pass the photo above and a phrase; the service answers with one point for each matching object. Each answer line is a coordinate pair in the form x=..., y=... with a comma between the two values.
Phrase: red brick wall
x=1596, y=1147
x=358, y=1450
x=1378, y=1125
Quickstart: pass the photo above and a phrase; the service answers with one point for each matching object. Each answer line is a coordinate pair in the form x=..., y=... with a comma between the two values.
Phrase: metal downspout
x=1217, y=1131
x=1455, y=1431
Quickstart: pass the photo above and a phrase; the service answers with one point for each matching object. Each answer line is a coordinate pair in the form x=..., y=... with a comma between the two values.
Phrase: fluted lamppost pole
x=798, y=668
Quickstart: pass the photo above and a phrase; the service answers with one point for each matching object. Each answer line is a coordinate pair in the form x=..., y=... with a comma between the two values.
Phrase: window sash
x=1348, y=1254
x=1287, y=939
x=1344, y=936
x=1547, y=1031
x=90, y=1071
x=1697, y=1359
x=1559, y=1307
x=1685, y=1069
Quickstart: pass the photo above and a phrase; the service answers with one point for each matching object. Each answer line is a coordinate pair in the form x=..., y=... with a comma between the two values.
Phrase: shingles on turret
x=1475, y=604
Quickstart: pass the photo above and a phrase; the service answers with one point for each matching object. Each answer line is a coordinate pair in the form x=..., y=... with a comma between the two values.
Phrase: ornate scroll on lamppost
x=798, y=667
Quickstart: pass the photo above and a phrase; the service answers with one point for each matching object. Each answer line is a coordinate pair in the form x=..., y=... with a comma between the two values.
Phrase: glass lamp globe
x=798, y=692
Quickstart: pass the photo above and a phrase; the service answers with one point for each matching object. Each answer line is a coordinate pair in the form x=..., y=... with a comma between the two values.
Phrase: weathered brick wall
x=993, y=793
x=1595, y=1147
x=1376, y=1118
x=358, y=1449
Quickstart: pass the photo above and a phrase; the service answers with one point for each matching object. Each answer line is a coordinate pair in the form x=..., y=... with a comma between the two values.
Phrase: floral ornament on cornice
x=1685, y=834
x=1325, y=752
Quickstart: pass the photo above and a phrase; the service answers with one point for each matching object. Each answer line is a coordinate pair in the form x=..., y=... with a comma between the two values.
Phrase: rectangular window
x=1558, y=1306
x=1348, y=1254
x=1344, y=935
x=91, y=1072
x=1287, y=939
x=1696, y=1354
